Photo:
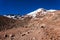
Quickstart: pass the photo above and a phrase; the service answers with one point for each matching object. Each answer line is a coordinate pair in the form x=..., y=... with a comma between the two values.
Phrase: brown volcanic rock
x=9, y=23
x=6, y=23
x=42, y=27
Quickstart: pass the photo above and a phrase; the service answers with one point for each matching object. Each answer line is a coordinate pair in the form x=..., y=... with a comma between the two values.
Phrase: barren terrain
x=42, y=27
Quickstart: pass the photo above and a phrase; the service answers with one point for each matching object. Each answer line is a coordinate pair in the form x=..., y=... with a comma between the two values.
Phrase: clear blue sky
x=25, y=6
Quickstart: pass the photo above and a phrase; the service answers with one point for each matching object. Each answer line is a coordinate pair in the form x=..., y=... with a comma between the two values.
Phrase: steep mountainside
x=6, y=23
x=40, y=24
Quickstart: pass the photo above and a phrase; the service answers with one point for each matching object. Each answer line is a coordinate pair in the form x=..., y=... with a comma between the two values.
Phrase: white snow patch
x=9, y=16
x=51, y=10
x=40, y=10
x=35, y=12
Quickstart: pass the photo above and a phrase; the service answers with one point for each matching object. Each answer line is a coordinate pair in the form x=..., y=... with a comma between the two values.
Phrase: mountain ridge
x=39, y=25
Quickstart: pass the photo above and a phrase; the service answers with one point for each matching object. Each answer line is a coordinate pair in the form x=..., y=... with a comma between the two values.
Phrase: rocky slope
x=38, y=25
x=6, y=23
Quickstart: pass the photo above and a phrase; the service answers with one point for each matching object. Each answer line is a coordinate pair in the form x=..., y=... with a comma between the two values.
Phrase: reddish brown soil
x=46, y=27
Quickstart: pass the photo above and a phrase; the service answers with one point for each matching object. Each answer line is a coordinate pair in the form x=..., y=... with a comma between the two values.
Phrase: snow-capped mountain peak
x=35, y=12
x=9, y=16
x=12, y=16
x=41, y=11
